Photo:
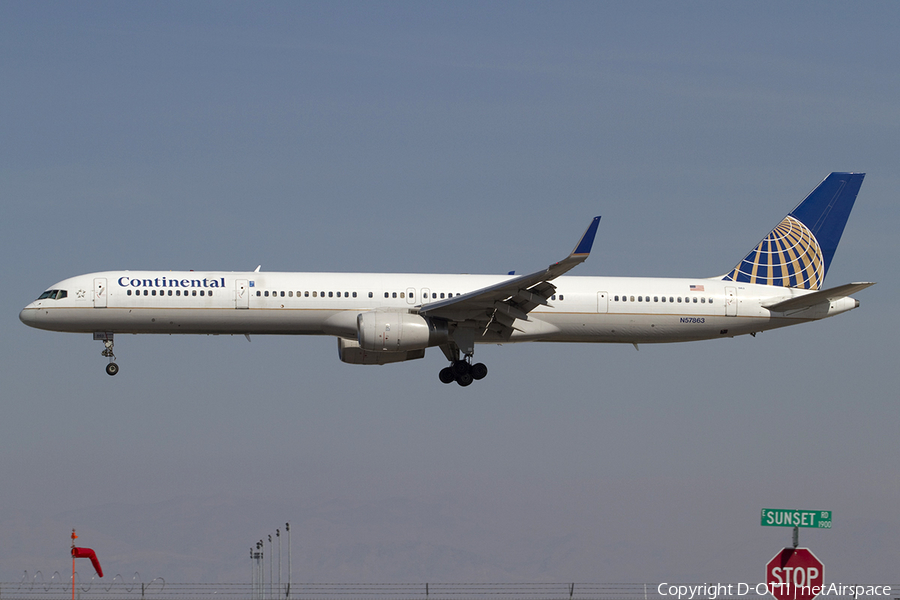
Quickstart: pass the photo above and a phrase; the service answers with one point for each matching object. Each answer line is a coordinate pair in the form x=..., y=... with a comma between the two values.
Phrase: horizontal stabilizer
x=813, y=298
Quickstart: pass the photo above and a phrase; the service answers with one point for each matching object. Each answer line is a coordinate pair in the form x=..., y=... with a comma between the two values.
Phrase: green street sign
x=786, y=517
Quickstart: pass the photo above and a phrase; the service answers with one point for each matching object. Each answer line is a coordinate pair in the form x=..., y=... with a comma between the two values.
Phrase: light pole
x=278, y=535
x=259, y=571
x=262, y=569
x=287, y=527
x=271, y=556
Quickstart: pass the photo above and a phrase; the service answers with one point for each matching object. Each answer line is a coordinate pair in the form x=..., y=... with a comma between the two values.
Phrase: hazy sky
x=445, y=137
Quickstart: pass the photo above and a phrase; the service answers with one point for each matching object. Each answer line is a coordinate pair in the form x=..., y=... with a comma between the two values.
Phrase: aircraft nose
x=28, y=316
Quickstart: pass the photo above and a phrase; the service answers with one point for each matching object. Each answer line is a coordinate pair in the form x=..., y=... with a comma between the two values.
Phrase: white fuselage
x=584, y=309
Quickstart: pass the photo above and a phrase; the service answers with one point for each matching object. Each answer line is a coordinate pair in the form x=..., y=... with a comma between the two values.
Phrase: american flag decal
x=697, y=288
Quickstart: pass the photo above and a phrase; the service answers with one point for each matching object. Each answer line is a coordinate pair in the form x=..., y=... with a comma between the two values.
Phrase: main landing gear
x=463, y=372
x=107, y=338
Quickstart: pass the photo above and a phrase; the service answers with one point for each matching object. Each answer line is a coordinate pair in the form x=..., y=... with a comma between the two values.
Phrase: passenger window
x=655, y=298
x=267, y=293
x=442, y=294
x=553, y=297
x=695, y=299
x=194, y=293
x=201, y=292
x=561, y=297
x=354, y=294
x=331, y=294
x=208, y=293
x=702, y=300
x=671, y=299
x=394, y=295
x=679, y=299
x=663, y=298
x=403, y=294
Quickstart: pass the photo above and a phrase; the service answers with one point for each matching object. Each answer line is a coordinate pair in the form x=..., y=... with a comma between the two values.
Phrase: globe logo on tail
x=789, y=256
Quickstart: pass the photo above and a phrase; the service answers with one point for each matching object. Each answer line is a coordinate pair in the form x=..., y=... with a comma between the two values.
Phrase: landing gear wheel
x=460, y=367
x=464, y=379
x=446, y=375
x=112, y=368
x=478, y=371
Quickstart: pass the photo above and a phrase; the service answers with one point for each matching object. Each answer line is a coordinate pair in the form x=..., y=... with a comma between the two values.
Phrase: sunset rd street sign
x=785, y=517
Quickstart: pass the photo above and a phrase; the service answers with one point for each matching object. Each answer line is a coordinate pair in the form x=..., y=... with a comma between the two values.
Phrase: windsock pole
x=74, y=537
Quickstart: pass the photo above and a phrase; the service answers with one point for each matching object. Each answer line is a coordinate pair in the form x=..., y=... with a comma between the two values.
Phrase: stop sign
x=795, y=574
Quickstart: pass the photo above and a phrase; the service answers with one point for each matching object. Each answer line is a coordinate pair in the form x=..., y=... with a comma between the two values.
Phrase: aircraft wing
x=497, y=306
x=811, y=299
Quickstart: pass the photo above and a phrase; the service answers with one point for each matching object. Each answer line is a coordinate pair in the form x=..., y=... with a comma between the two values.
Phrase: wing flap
x=513, y=298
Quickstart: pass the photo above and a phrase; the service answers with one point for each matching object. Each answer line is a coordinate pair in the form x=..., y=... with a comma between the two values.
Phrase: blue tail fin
x=798, y=252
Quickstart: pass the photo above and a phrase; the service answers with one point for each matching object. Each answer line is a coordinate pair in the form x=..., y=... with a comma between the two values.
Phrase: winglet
x=587, y=240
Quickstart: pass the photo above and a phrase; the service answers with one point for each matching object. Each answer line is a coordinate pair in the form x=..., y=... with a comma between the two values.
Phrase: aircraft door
x=730, y=302
x=100, y=292
x=602, y=302
x=241, y=294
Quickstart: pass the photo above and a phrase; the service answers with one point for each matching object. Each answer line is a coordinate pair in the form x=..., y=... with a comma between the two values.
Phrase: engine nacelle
x=350, y=352
x=391, y=331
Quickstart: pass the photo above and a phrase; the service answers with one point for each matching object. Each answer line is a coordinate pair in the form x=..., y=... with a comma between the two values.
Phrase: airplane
x=381, y=318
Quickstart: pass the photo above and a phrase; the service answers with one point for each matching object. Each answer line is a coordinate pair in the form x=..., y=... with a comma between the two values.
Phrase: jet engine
x=350, y=353
x=392, y=331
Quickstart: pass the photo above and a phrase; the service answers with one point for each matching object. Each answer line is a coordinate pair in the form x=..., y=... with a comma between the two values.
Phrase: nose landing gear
x=107, y=338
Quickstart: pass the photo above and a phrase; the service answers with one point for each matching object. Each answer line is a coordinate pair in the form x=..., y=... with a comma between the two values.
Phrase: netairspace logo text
x=711, y=591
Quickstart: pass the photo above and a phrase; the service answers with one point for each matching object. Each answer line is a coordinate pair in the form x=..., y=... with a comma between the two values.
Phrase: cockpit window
x=53, y=295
